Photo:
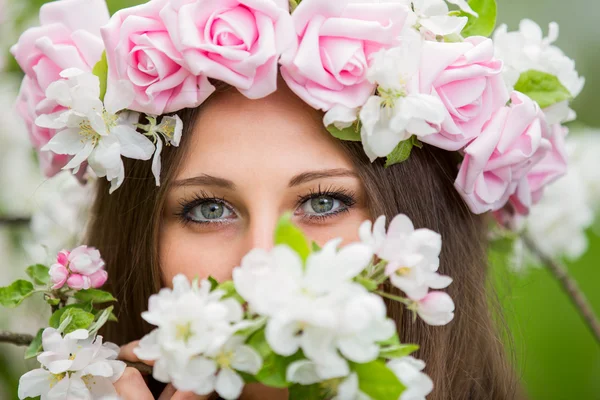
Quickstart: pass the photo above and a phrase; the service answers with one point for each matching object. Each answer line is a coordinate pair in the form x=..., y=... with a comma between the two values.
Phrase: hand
x=132, y=385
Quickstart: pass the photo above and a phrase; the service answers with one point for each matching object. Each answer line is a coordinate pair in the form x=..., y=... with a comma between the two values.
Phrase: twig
x=8, y=221
x=23, y=339
x=569, y=286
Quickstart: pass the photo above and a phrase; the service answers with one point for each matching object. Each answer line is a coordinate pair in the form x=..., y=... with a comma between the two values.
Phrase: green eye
x=209, y=211
x=321, y=205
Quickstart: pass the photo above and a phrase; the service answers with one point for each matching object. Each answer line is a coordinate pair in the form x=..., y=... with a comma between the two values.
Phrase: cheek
x=201, y=255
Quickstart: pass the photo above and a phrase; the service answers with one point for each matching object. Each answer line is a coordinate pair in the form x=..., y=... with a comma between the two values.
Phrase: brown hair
x=465, y=359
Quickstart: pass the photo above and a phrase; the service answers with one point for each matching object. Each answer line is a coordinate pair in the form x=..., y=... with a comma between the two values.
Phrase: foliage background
x=556, y=356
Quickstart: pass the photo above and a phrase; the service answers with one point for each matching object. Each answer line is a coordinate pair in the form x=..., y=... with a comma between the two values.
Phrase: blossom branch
x=14, y=221
x=570, y=287
x=24, y=339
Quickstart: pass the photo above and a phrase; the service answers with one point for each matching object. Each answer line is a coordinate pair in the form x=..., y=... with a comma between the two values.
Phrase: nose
x=260, y=231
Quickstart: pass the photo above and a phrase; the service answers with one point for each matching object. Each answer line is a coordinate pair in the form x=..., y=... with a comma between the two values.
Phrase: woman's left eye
x=321, y=205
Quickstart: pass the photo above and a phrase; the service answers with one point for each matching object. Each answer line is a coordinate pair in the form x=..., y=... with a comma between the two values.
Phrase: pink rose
x=234, y=41
x=551, y=167
x=336, y=40
x=467, y=78
x=69, y=36
x=511, y=143
x=139, y=49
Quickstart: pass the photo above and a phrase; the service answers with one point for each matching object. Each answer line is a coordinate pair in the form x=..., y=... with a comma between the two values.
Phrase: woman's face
x=248, y=162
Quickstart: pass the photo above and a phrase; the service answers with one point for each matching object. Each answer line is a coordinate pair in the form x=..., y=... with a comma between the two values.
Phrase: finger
x=167, y=393
x=126, y=353
x=170, y=393
x=132, y=386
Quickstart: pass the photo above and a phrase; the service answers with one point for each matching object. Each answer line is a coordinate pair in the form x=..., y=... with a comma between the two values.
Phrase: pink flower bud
x=98, y=278
x=437, y=308
x=63, y=258
x=78, y=282
x=58, y=275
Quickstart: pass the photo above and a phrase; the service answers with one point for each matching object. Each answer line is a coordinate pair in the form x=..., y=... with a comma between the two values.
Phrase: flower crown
x=392, y=74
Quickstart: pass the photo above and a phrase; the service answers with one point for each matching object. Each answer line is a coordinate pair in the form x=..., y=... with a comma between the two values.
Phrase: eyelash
x=345, y=196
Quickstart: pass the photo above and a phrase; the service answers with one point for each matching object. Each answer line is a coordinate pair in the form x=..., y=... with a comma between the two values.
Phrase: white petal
x=303, y=372
x=156, y=161
x=60, y=391
x=67, y=141
x=229, y=385
x=81, y=156
x=34, y=383
x=348, y=390
x=133, y=144
x=340, y=116
x=282, y=336
x=102, y=388
x=246, y=359
x=463, y=5
x=357, y=350
x=51, y=121
x=119, y=96
x=60, y=92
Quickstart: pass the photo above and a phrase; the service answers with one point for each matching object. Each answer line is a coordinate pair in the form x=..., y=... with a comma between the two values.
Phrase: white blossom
x=432, y=19
x=93, y=131
x=408, y=370
x=168, y=130
x=316, y=307
x=73, y=366
x=527, y=49
x=194, y=346
x=412, y=255
x=398, y=111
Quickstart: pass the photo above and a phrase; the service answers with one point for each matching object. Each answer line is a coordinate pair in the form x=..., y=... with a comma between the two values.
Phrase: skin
x=271, y=152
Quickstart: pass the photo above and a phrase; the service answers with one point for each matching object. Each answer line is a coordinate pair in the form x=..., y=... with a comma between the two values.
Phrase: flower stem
x=14, y=221
x=569, y=286
x=394, y=298
x=24, y=339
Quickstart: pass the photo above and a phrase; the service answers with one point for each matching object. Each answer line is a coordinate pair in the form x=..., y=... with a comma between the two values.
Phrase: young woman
x=241, y=164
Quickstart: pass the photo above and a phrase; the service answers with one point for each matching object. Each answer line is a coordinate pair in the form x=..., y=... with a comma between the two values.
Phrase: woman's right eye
x=208, y=211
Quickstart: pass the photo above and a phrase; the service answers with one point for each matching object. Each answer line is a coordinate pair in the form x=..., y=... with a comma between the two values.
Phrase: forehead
x=278, y=134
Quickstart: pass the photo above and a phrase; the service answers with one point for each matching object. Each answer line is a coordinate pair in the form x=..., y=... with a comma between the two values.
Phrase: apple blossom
x=408, y=370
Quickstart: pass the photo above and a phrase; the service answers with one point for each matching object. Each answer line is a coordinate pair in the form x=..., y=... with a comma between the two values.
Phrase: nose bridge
x=261, y=225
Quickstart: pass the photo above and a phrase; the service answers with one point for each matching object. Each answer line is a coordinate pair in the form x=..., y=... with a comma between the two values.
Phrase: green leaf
x=55, y=318
x=101, y=71
x=273, y=371
x=400, y=153
x=302, y=392
x=315, y=246
x=101, y=319
x=542, y=87
x=14, y=294
x=486, y=22
x=398, y=351
x=35, y=347
x=368, y=284
x=39, y=273
x=213, y=283
x=394, y=340
x=94, y=296
x=52, y=301
x=79, y=319
x=376, y=380
x=229, y=289
x=351, y=133
x=287, y=233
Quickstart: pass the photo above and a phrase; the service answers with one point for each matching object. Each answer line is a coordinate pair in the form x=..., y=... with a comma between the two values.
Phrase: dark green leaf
x=398, y=351
x=400, y=153
x=213, y=283
x=101, y=319
x=79, y=319
x=14, y=294
x=101, y=71
x=351, y=133
x=39, y=273
x=302, y=392
x=486, y=22
x=35, y=347
x=542, y=87
x=287, y=233
x=376, y=380
x=94, y=296
x=315, y=246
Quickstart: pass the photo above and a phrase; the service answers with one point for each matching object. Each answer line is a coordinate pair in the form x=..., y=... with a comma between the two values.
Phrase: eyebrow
x=209, y=180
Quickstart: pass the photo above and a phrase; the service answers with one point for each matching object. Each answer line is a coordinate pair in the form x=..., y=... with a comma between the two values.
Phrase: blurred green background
x=557, y=358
